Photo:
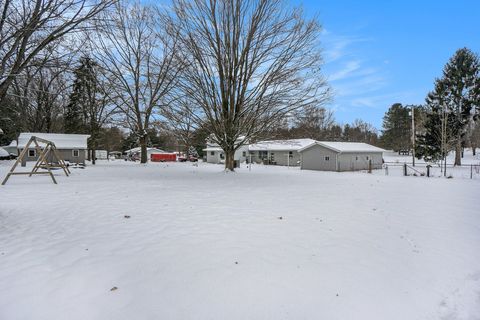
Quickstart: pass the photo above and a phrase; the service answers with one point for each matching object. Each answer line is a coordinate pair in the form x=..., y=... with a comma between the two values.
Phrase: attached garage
x=340, y=156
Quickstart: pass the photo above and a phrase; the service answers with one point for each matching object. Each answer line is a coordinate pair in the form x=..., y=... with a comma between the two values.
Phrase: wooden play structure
x=44, y=153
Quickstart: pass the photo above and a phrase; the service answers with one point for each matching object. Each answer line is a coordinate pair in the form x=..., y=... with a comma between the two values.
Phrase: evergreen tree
x=130, y=142
x=75, y=114
x=72, y=116
x=440, y=129
x=192, y=152
x=90, y=106
x=396, y=134
x=462, y=93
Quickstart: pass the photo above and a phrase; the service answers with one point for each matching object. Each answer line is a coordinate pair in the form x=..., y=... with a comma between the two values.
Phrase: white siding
x=219, y=156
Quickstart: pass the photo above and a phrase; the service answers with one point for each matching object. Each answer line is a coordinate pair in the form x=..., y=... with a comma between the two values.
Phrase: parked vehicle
x=185, y=159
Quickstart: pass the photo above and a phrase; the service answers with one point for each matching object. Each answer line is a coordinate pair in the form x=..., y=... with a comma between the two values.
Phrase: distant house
x=99, y=154
x=11, y=148
x=340, y=156
x=215, y=154
x=71, y=147
x=136, y=152
x=278, y=152
x=4, y=155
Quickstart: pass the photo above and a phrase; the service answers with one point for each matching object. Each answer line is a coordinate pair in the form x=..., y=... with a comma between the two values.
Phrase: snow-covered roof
x=151, y=150
x=213, y=149
x=211, y=144
x=3, y=152
x=61, y=140
x=280, y=145
x=345, y=146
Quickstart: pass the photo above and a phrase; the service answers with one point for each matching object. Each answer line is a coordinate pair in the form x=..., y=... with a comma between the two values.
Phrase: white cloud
x=335, y=46
x=346, y=71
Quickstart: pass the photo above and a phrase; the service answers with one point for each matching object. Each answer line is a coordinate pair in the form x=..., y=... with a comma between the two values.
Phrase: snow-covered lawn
x=271, y=243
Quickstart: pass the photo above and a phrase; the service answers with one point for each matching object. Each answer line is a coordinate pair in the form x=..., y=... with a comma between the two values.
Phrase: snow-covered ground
x=470, y=168
x=270, y=243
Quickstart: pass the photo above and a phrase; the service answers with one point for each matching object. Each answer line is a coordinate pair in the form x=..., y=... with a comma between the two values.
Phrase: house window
x=244, y=153
x=75, y=153
x=327, y=158
x=222, y=156
x=367, y=157
x=32, y=152
x=290, y=154
x=356, y=158
x=212, y=153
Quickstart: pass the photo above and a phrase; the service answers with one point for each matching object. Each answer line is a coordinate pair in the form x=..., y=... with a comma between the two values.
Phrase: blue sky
x=380, y=52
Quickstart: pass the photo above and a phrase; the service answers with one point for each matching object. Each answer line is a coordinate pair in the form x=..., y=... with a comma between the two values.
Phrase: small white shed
x=340, y=156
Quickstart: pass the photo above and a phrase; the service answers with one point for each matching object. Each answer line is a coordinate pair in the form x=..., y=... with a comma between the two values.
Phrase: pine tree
x=192, y=152
x=72, y=115
x=396, y=133
x=440, y=129
x=88, y=108
x=75, y=115
x=462, y=93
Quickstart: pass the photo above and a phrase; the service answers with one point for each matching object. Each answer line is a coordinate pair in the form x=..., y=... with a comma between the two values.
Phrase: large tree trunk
x=93, y=154
x=143, y=149
x=229, y=159
x=458, y=154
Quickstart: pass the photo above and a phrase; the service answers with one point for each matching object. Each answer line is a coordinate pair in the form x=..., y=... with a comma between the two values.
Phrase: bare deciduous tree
x=40, y=94
x=181, y=119
x=313, y=122
x=137, y=51
x=27, y=28
x=250, y=62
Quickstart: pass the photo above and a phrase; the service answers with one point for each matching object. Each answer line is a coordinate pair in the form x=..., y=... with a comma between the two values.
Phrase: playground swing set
x=49, y=150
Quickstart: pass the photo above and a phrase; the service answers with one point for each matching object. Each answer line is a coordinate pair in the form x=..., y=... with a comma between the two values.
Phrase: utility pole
x=413, y=134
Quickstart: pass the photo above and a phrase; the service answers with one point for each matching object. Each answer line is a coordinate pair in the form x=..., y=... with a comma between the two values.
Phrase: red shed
x=163, y=157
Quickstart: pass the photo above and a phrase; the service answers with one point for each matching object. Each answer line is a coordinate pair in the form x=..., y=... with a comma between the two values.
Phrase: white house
x=72, y=147
x=278, y=152
x=4, y=154
x=100, y=154
x=135, y=152
x=340, y=156
x=215, y=154
x=11, y=148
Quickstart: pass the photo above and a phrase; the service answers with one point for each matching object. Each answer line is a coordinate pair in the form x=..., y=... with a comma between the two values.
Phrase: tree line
x=227, y=67
x=449, y=119
x=129, y=72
